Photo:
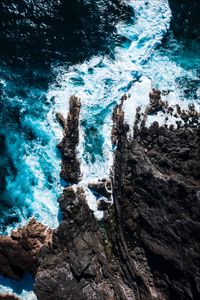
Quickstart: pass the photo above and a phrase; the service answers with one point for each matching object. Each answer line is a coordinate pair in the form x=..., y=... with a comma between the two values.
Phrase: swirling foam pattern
x=101, y=81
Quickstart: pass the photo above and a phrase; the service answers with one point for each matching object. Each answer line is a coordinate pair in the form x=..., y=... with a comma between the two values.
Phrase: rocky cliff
x=147, y=245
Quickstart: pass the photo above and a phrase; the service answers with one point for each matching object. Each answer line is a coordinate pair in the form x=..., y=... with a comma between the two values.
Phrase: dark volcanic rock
x=101, y=187
x=156, y=103
x=76, y=266
x=157, y=205
x=18, y=252
x=174, y=150
x=70, y=163
x=147, y=246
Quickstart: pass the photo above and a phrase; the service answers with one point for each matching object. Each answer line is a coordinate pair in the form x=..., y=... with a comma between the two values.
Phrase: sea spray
x=101, y=81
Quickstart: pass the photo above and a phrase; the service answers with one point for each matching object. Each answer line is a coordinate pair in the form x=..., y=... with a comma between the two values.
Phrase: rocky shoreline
x=156, y=196
x=147, y=245
x=19, y=251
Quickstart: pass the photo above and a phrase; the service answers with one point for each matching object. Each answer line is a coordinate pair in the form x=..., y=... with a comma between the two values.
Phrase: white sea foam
x=92, y=203
x=138, y=96
x=101, y=82
x=22, y=288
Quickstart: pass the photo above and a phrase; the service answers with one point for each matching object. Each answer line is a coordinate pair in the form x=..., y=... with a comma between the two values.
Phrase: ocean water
x=30, y=162
x=101, y=81
x=147, y=54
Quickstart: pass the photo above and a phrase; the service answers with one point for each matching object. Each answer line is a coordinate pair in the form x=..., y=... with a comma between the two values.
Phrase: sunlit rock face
x=18, y=252
x=49, y=30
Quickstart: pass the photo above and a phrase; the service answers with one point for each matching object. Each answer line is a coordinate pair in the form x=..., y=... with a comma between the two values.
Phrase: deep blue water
x=96, y=58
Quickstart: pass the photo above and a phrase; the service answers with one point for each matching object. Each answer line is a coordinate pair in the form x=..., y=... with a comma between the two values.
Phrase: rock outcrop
x=18, y=252
x=70, y=163
x=147, y=246
x=102, y=187
x=156, y=189
x=77, y=265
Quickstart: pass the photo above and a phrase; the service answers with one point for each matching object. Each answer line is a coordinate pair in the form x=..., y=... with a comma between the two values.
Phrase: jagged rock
x=18, y=252
x=103, y=203
x=156, y=104
x=165, y=194
x=184, y=152
x=76, y=266
x=189, y=117
x=102, y=187
x=148, y=244
x=70, y=163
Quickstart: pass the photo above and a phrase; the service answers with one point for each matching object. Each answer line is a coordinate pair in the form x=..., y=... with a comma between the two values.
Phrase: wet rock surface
x=102, y=187
x=147, y=245
x=76, y=266
x=70, y=163
x=18, y=252
x=187, y=117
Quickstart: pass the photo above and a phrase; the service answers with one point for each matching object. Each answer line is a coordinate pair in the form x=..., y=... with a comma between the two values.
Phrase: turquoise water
x=30, y=131
x=30, y=159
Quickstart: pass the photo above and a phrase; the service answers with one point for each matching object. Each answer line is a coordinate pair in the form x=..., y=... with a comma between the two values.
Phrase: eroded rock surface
x=70, y=163
x=76, y=266
x=157, y=207
x=147, y=246
x=18, y=252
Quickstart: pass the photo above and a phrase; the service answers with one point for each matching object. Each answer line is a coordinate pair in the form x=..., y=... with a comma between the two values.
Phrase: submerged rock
x=147, y=245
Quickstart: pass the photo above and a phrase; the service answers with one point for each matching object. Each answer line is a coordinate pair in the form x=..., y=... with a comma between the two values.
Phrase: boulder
x=19, y=251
